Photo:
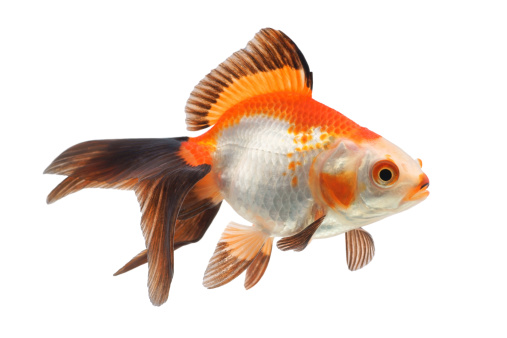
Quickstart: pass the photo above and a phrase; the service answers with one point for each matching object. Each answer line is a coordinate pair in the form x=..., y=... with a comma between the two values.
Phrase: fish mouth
x=421, y=191
x=420, y=195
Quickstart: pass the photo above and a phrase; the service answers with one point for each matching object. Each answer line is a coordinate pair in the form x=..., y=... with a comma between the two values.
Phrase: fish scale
x=252, y=171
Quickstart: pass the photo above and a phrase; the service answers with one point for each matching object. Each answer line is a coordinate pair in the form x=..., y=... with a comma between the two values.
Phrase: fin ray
x=237, y=248
x=270, y=62
x=187, y=231
x=138, y=260
x=204, y=195
x=161, y=179
x=160, y=200
x=300, y=241
x=115, y=161
x=259, y=265
x=192, y=229
x=360, y=248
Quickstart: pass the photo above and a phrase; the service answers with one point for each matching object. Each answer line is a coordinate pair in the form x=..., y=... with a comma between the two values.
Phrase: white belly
x=255, y=175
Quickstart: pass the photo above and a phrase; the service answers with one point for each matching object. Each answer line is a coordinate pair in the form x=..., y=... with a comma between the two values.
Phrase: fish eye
x=385, y=173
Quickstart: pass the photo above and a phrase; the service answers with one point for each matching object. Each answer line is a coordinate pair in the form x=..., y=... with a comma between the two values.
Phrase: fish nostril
x=425, y=185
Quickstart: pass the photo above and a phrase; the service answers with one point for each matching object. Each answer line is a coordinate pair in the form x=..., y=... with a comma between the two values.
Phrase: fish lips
x=420, y=192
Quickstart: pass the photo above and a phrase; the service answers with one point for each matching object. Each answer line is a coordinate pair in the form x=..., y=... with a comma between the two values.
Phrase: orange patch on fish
x=305, y=138
x=338, y=190
x=302, y=112
x=293, y=164
x=207, y=188
x=294, y=181
x=194, y=154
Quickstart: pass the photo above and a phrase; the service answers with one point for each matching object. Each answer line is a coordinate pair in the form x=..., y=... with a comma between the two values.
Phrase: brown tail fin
x=157, y=173
x=187, y=231
x=138, y=260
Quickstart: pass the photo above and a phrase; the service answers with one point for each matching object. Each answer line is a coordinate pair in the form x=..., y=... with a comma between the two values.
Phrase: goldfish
x=292, y=167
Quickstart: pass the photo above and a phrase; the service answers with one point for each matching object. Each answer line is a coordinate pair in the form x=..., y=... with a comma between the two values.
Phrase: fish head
x=364, y=182
x=392, y=181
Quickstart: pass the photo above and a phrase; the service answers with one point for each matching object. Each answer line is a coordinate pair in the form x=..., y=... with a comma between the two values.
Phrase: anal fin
x=235, y=251
x=360, y=248
x=257, y=268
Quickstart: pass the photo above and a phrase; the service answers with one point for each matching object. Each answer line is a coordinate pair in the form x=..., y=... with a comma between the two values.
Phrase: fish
x=291, y=166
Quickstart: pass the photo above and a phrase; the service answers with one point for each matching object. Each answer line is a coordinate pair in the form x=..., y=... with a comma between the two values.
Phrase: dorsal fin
x=269, y=63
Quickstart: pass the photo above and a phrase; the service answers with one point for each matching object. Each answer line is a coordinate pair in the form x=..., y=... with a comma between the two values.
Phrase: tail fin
x=161, y=177
x=187, y=231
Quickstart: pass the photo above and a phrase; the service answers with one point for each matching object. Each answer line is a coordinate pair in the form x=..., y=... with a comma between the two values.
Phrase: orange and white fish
x=288, y=164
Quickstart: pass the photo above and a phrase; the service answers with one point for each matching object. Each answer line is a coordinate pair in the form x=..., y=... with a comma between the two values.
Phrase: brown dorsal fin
x=257, y=268
x=360, y=248
x=299, y=241
x=269, y=63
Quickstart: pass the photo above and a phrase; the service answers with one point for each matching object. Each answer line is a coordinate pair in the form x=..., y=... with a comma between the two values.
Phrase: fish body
x=288, y=164
x=263, y=152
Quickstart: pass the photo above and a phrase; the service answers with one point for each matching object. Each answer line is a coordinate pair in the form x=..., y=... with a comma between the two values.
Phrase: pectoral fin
x=299, y=241
x=360, y=248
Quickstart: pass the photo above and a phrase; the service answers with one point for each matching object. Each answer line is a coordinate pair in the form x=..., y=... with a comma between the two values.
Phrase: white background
x=429, y=76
